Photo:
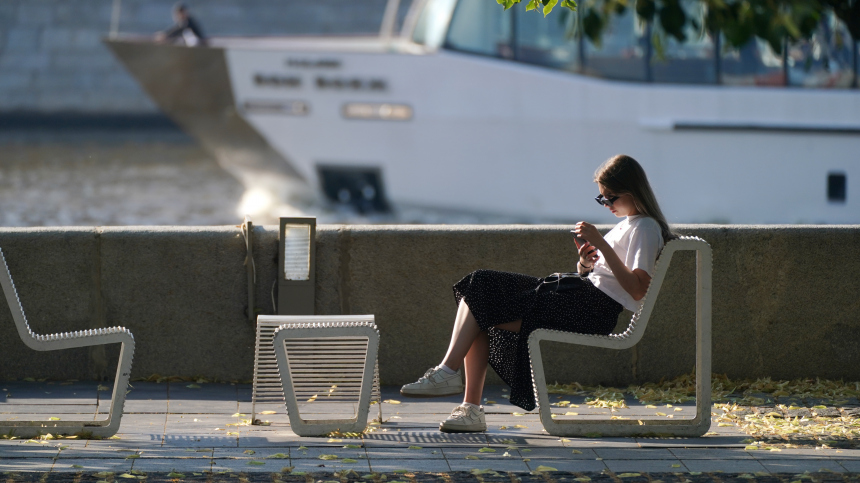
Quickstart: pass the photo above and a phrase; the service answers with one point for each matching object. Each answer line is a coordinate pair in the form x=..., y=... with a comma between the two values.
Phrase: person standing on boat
x=498, y=310
x=185, y=27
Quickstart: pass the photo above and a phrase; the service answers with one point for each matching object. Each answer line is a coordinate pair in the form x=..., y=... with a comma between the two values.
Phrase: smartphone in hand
x=576, y=239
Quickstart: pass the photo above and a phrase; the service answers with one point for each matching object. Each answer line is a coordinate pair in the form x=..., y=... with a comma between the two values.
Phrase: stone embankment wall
x=785, y=298
x=52, y=58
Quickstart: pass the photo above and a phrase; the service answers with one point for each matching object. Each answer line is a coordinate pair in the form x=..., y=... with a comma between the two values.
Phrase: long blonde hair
x=621, y=175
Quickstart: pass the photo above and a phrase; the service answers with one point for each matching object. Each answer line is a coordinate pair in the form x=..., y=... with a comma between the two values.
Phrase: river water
x=156, y=177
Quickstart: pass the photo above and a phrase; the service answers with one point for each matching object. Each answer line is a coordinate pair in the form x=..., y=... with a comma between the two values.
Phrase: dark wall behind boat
x=52, y=58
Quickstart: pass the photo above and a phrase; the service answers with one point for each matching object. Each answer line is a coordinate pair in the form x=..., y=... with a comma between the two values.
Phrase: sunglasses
x=600, y=199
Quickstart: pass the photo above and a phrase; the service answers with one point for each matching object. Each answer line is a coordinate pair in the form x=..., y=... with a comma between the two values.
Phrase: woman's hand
x=589, y=233
x=587, y=255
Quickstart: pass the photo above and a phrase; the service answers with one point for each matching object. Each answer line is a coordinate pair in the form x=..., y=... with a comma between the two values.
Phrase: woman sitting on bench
x=498, y=310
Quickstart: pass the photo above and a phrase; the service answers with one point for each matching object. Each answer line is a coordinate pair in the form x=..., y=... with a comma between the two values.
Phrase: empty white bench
x=633, y=427
x=327, y=359
x=68, y=340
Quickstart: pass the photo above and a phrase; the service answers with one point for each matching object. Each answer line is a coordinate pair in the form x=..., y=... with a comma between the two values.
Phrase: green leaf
x=531, y=5
x=569, y=4
x=542, y=468
x=328, y=457
x=256, y=463
x=486, y=450
x=127, y=475
x=278, y=456
x=348, y=460
x=174, y=474
x=548, y=6
x=415, y=447
x=77, y=466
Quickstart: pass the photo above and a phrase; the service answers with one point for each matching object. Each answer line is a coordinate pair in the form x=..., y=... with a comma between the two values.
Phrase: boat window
x=690, y=62
x=481, y=27
x=825, y=60
x=622, y=50
x=431, y=24
x=550, y=41
x=754, y=64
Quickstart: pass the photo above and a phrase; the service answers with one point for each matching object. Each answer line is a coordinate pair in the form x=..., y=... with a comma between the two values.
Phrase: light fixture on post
x=296, y=266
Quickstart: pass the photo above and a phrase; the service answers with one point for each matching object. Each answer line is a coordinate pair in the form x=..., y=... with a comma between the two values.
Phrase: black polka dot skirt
x=500, y=297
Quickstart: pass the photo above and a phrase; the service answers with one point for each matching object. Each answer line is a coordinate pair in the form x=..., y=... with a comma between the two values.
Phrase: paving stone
x=851, y=412
x=594, y=443
x=792, y=454
x=328, y=466
x=507, y=464
x=558, y=453
x=82, y=410
x=375, y=453
x=388, y=465
x=826, y=412
x=314, y=452
x=798, y=413
x=585, y=465
x=176, y=452
x=26, y=464
x=19, y=449
x=645, y=466
x=461, y=453
x=94, y=465
x=711, y=453
x=633, y=453
x=95, y=452
x=261, y=439
x=802, y=465
x=852, y=466
x=726, y=466
x=256, y=453
x=184, y=465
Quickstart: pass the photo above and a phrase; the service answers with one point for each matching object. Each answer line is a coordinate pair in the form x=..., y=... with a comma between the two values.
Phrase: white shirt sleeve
x=646, y=241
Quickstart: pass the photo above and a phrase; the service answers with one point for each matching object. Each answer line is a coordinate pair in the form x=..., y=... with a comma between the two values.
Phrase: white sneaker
x=434, y=383
x=465, y=419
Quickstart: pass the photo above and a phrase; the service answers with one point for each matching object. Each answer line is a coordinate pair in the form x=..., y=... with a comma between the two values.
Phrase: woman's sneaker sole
x=431, y=394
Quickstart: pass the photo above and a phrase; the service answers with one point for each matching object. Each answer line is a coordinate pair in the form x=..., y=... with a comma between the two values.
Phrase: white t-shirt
x=637, y=241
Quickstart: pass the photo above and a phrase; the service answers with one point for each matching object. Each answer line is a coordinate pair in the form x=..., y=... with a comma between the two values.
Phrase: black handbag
x=561, y=282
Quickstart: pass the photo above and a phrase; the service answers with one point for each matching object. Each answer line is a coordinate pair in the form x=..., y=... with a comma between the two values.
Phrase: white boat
x=470, y=108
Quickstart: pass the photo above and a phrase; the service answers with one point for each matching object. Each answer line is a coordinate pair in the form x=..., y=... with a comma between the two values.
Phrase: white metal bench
x=327, y=359
x=68, y=340
x=697, y=426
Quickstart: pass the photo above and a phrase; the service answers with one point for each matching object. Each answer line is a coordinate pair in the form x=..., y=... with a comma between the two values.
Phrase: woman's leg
x=476, y=361
x=470, y=347
x=475, y=368
x=465, y=331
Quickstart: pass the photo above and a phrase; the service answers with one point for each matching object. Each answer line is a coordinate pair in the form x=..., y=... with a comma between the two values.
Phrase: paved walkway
x=199, y=429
